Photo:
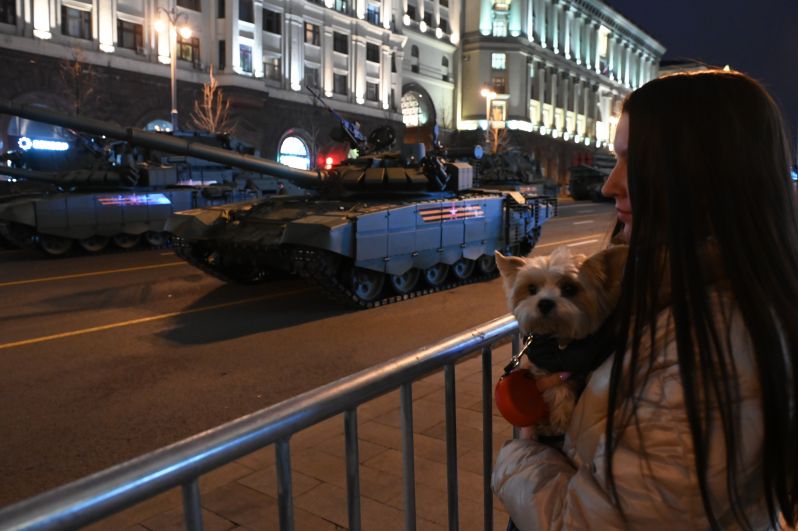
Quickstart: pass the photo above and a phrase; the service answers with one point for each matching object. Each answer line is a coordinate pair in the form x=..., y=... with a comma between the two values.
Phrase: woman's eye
x=569, y=290
x=533, y=289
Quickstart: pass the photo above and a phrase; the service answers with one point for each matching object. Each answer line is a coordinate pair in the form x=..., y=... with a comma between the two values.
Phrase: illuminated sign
x=26, y=143
x=133, y=200
x=453, y=213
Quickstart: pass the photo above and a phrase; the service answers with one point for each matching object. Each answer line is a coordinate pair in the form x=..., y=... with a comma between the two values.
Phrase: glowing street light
x=173, y=17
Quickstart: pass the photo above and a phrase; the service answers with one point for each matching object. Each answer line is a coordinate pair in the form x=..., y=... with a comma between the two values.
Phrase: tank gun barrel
x=31, y=175
x=170, y=144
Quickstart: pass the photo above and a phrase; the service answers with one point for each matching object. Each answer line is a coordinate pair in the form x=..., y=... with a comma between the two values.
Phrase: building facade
x=558, y=67
x=555, y=74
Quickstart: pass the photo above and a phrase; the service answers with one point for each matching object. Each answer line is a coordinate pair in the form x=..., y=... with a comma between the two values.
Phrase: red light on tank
x=328, y=162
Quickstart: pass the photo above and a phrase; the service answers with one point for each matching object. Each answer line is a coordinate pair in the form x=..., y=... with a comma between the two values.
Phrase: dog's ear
x=605, y=270
x=509, y=265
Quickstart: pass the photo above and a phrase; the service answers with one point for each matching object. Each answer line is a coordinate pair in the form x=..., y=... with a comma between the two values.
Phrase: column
x=540, y=15
x=454, y=21
x=611, y=55
x=41, y=19
x=233, y=59
x=326, y=60
x=540, y=85
x=357, y=62
x=399, y=54
x=554, y=79
x=627, y=55
x=436, y=14
x=257, y=52
x=577, y=36
x=587, y=44
x=555, y=26
x=596, y=52
x=106, y=24
x=385, y=76
x=566, y=88
x=567, y=38
x=386, y=13
x=360, y=9
x=294, y=54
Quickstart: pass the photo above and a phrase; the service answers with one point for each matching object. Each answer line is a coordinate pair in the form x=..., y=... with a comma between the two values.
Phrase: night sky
x=758, y=37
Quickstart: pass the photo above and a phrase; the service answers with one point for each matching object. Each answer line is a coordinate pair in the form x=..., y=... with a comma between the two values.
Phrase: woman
x=692, y=422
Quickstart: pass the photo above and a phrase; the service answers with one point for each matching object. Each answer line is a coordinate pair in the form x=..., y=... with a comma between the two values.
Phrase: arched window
x=294, y=152
x=159, y=125
x=415, y=109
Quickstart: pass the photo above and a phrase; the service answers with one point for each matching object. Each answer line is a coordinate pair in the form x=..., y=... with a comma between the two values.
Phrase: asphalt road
x=103, y=358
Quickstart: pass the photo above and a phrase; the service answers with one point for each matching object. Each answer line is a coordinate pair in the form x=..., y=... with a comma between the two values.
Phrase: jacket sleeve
x=542, y=489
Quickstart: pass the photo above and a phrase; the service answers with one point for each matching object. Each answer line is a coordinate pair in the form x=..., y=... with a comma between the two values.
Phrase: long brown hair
x=708, y=164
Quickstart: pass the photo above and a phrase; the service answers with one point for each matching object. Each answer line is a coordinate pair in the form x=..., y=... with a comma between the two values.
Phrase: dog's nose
x=545, y=306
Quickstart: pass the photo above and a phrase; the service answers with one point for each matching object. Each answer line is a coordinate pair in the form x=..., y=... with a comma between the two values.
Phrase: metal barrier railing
x=181, y=464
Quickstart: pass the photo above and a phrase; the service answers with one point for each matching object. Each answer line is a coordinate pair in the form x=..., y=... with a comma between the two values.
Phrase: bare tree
x=212, y=112
x=79, y=81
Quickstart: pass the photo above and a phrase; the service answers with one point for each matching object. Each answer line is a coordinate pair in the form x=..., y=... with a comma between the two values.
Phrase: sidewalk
x=243, y=494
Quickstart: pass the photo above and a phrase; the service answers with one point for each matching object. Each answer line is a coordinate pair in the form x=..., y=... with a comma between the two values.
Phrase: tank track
x=184, y=250
x=319, y=268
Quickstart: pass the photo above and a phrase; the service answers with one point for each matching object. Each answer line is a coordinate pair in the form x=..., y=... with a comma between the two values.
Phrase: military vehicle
x=514, y=170
x=383, y=227
x=587, y=179
x=93, y=191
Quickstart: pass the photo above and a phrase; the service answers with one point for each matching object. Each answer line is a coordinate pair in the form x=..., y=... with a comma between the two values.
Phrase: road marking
x=562, y=242
x=142, y=320
x=170, y=253
x=93, y=274
x=584, y=222
x=577, y=244
x=586, y=211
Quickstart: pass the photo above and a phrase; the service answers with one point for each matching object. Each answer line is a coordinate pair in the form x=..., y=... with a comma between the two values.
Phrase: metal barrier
x=92, y=498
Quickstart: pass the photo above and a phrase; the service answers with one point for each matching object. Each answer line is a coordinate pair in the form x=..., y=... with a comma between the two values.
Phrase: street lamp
x=174, y=17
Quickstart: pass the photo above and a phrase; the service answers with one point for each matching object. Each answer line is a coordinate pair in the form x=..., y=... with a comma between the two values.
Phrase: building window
x=221, y=7
x=271, y=21
x=158, y=125
x=415, y=109
x=75, y=22
x=8, y=11
x=411, y=11
x=246, y=11
x=272, y=69
x=193, y=5
x=340, y=42
x=498, y=61
x=373, y=14
x=372, y=91
x=129, y=35
x=414, y=54
x=428, y=19
x=222, y=55
x=294, y=153
x=414, y=51
x=444, y=25
x=311, y=77
x=372, y=52
x=342, y=6
x=245, y=57
x=393, y=63
x=339, y=84
x=312, y=35
x=188, y=49
x=444, y=3
x=445, y=68
x=499, y=26
x=499, y=84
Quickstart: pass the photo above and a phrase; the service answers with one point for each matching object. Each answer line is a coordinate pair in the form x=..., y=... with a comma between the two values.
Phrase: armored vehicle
x=514, y=170
x=93, y=191
x=587, y=179
x=379, y=228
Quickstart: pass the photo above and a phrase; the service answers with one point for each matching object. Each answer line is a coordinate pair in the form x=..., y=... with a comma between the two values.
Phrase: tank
x=92, y=191
x=382, y=227
x=514, y=170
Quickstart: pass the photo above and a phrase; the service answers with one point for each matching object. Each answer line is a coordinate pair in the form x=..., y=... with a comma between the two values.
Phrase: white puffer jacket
x=654, y=467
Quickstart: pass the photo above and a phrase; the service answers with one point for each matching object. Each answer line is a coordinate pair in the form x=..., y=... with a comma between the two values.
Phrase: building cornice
x=616, y=22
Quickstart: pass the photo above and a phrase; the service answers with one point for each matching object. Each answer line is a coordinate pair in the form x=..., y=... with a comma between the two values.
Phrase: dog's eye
x=533, y=289
x=569, y=290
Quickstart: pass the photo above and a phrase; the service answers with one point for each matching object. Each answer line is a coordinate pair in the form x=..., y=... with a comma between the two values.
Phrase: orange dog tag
x=519, y=400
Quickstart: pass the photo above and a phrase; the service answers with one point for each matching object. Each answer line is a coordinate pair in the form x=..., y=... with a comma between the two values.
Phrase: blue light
x=134, y=200
x=26, y=143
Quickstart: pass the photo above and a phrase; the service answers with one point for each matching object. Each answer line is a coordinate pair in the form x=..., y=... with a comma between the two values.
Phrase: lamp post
x=174, y=17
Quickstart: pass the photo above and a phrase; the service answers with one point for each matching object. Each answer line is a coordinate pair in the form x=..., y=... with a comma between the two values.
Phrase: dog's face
x=564, y=294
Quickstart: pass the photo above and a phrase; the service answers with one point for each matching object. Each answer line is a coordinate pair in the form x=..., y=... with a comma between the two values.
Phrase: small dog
x=565, y=295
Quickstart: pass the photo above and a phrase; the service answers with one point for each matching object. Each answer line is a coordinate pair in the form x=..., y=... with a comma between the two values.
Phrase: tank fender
x=331, y=232
x=22, y=212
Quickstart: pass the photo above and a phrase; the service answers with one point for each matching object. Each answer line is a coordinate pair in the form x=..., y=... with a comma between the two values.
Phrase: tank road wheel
x=156, y=239
x=486, y=264
x=125, y=241
x=406, y=282
x=436, y=275
x=242, y=269
x=55, y=245
x=367, y=284
x=94, y=244
x=463, y=268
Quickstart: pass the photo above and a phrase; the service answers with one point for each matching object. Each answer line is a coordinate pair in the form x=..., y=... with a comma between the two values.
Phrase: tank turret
x=381, y=227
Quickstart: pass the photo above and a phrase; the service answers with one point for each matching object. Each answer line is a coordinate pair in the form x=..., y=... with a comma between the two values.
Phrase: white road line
x=586, y=211
x=586, y=242
x=584, y=222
